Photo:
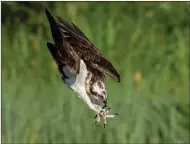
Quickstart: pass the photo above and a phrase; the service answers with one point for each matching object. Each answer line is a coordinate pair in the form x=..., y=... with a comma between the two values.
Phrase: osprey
x=81, y=65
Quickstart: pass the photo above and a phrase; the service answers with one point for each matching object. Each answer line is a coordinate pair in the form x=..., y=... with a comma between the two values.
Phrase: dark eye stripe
x=101, y=97
x=104, y=92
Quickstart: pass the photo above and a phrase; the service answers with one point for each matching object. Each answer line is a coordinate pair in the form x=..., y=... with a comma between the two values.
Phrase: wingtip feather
x=56, y=34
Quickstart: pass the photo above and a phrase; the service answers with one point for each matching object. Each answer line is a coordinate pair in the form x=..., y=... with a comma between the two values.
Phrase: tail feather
x=56, y=34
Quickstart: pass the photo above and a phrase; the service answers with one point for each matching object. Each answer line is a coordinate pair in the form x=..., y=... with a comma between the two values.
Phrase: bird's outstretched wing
x=62, y=51
x=86, y=50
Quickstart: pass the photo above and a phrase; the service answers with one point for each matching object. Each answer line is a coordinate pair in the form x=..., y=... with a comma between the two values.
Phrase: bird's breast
x=79, y=84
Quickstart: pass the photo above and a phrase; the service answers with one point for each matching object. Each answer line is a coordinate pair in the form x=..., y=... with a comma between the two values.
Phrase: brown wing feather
x=62, y=51
x=86, y=50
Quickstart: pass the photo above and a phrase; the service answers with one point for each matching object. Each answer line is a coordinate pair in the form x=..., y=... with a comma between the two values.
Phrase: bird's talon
x=97, y=124
x=116, y=114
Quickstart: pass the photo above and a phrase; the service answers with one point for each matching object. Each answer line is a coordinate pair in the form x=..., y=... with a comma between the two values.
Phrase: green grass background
x=147, y=41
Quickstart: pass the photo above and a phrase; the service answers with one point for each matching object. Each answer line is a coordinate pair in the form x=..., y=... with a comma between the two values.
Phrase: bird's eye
x=103, y=92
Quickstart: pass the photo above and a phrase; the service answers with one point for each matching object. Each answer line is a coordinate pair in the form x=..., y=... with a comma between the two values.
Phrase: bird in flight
x=81, y=65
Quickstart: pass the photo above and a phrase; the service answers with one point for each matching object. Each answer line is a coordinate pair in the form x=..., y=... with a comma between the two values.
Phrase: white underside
x=77, y=83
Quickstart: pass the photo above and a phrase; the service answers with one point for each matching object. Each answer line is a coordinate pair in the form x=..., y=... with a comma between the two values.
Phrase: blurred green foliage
x=147, y=42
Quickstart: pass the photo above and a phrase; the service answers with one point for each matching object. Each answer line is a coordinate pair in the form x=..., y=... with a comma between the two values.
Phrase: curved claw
x=97, y=124
x=116, y=114
x=104, y=125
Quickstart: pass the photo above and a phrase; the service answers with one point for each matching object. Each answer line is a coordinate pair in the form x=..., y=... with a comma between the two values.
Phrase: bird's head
x=99, y=91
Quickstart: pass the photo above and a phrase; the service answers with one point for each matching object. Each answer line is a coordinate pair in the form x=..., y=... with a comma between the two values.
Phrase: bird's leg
x=97, y=120
x=105, y=121
x=104, y=114
x=105, y=109
x=98, y=116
